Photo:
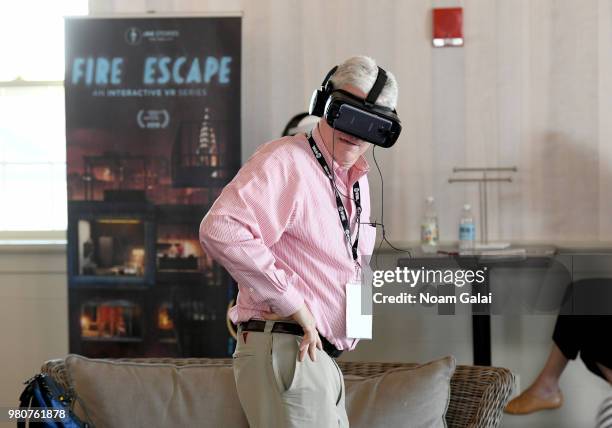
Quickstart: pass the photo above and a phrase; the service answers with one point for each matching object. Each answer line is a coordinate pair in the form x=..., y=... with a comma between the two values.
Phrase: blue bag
x=43, y=392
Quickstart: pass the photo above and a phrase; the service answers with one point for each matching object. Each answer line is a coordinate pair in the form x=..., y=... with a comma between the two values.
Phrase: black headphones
x=321, y=95
x=362, y=118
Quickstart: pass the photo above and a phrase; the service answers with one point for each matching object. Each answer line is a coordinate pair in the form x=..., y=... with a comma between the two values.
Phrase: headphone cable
x=382, y=211
x=382, y=197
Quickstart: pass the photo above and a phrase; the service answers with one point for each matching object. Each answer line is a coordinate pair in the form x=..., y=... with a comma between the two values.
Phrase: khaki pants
x=278, y=391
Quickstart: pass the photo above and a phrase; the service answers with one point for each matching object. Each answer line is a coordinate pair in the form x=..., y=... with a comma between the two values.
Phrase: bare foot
x=540, y=395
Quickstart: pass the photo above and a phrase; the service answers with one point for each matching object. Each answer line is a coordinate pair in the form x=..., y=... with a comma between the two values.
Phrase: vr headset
x=355, y=116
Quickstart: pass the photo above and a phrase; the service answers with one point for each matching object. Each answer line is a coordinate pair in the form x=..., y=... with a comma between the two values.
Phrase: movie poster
x=152, y=136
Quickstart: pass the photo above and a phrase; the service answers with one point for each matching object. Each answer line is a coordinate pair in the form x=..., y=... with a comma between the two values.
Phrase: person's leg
x=596, y=352
x=544, y=392
x=607, y=372
x=277, y=391
x=547, y=382
x=255, y=379
x=343, y=421
x=597, y=360
x=566, y=345
x=313, y=394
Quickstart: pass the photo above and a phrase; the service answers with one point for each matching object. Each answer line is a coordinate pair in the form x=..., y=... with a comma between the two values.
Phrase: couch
x=477, y=394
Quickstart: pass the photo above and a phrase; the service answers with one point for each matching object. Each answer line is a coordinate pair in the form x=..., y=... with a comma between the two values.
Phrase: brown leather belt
x=289, y=328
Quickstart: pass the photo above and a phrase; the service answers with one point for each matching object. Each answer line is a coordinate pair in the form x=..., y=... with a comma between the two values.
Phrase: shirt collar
x=359, y=168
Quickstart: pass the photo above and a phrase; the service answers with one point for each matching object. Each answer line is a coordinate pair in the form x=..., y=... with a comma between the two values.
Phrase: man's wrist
x=305, y=319
x=311, y=328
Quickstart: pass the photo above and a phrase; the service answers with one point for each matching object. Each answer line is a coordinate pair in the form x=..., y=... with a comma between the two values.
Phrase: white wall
x=33, y=315
x=532, y=87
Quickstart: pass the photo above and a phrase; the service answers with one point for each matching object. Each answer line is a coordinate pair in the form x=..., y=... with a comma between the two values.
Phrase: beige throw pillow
x=413, y=398
x=130, y=394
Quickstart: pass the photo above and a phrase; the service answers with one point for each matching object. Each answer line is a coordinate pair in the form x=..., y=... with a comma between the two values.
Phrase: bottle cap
x=467, y=207
x=429, y=199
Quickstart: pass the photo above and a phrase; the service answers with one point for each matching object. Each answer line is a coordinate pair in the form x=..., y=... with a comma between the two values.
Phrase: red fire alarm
x=448, y=27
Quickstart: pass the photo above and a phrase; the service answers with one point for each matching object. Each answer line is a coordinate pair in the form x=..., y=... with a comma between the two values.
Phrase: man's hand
x=311, y=339
x=309, y=343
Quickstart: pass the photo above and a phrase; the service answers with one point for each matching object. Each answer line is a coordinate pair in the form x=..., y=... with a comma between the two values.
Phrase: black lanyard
x=344, y=219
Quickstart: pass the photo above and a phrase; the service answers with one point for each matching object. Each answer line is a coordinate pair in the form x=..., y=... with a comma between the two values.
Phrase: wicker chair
x=478, y=393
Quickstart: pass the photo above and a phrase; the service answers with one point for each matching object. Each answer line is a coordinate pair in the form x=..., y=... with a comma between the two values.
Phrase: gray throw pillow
x=135, y=394
x=404, y=397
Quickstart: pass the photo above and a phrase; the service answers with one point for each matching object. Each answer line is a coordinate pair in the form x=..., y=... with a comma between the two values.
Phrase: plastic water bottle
x=429, y=227
x=467, y=229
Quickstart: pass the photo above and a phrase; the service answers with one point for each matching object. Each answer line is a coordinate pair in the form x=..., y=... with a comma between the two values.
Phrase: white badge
x=358, y=326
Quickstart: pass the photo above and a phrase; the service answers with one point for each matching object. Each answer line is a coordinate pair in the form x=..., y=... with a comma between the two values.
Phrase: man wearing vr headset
x=291, y=228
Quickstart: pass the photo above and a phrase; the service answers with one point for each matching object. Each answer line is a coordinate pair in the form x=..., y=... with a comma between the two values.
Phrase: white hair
x=361, y=71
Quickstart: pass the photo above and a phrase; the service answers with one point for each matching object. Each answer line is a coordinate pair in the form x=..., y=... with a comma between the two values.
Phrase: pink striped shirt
x=275, y=228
